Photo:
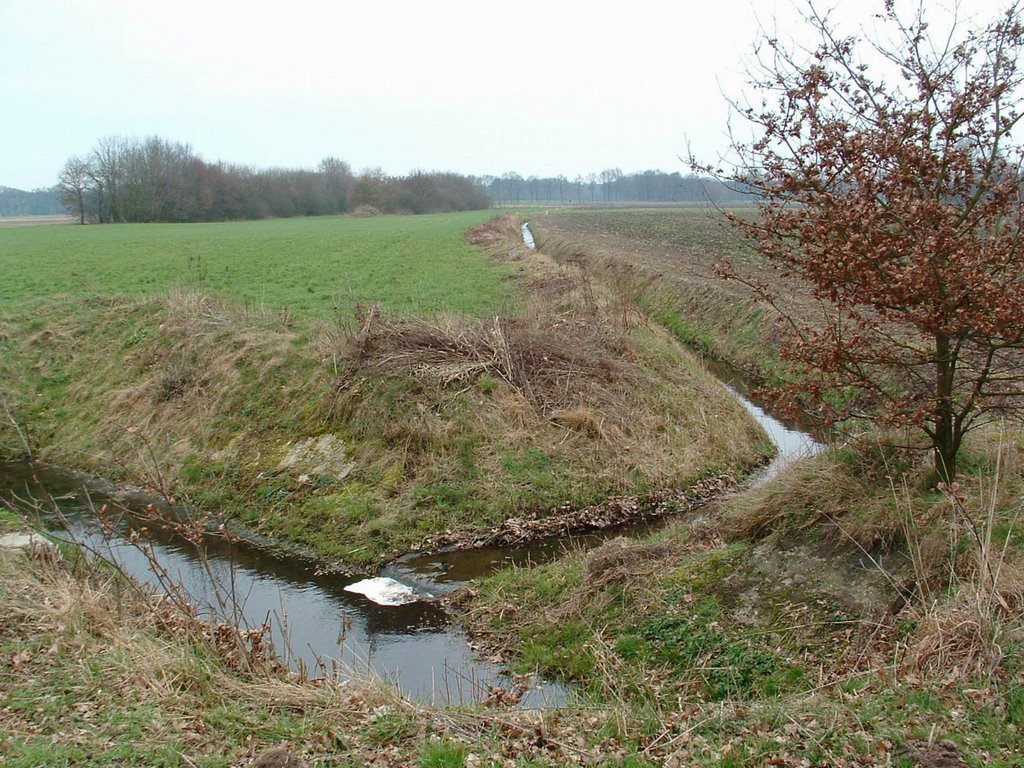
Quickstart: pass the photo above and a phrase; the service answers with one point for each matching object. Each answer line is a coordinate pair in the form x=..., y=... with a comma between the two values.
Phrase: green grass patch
x=310, y=267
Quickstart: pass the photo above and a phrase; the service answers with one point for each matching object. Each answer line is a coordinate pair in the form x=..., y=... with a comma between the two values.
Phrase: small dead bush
x=552, y=366
x=621, y=560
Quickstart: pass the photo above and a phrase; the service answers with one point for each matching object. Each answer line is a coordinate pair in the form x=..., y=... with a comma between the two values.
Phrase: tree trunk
x=944, y=441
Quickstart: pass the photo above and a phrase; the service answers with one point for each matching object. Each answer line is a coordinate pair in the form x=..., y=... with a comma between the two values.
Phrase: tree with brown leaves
x=889, y=181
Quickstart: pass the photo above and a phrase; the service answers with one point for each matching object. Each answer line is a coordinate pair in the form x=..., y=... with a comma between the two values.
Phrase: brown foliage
x=899, y=203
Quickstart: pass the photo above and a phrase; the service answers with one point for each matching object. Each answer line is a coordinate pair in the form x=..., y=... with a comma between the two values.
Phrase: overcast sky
x=475, y=87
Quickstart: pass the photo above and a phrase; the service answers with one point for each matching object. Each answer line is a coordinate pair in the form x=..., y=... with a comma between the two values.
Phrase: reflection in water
x=792, y=440
x=315, y=622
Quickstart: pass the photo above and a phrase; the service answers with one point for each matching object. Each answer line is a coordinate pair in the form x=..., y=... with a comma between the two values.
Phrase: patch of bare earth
x=34, y=221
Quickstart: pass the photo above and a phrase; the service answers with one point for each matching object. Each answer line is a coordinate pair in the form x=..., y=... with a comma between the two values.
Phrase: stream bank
x=317, y=622
x=358, y=437
x=317, y=625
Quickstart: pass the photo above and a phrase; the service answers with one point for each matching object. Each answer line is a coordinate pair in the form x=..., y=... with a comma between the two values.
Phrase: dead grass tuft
x=971, y=621
x=580, y=420
x=501, y=237
x=969, y=635
x=815, y=493
x=632, y=566
x=622, y=560
x=560, y=351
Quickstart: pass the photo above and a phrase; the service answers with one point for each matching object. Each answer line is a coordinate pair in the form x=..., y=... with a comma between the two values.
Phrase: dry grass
x=553, y=365
x=110, y=651
x=501, y=238
x=970, y=620
x=820, y=493
x=183, y=383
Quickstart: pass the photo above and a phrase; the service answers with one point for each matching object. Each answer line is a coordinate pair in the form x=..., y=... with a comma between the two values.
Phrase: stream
x=316, y=625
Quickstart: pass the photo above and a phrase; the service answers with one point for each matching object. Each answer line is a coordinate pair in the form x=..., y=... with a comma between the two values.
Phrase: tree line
x=37, y=202
x=157, y=180
x=612, y=186
x=154, y=179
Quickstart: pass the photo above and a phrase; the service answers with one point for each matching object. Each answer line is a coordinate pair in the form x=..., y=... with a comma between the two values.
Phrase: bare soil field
x=665, y=262
x=34, y=221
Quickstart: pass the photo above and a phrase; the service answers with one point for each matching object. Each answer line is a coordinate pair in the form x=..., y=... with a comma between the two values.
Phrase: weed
x=443, y=754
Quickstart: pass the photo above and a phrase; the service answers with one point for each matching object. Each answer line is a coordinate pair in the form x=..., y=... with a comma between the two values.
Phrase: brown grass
x=501, y=237
x=194, y=374
x=553, y=365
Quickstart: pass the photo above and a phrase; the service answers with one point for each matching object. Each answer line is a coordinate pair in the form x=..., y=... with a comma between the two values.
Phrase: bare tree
x=73, y=183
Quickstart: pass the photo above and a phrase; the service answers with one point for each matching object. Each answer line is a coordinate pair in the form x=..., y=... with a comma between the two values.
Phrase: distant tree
x=73, y=183
x=370, y=188
x=107, y=172
x=338, y=177
x=36, y=202
x=609, y=178
x=514, y=186
x=897, y=198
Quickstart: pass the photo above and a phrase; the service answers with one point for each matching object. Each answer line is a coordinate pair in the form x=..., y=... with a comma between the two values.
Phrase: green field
x=411, y=265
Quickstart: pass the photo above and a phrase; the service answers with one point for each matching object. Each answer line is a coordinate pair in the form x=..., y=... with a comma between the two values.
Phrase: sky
x=539, y=88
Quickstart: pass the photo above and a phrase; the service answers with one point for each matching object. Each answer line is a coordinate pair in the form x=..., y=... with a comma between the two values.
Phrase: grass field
x=409, y=264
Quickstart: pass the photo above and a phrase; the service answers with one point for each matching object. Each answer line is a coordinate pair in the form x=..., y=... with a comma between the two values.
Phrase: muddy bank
x=613, y=513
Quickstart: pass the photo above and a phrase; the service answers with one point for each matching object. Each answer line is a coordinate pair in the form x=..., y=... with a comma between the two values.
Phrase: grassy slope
x=212, y=396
